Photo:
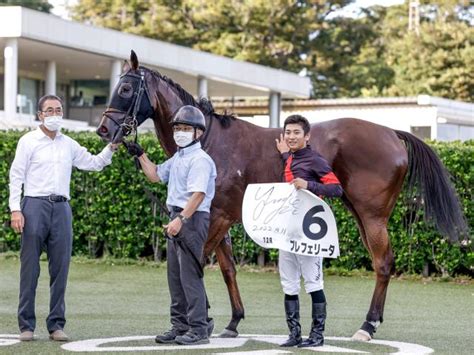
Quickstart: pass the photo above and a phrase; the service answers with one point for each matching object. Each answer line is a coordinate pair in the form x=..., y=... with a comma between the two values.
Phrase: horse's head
x=129, y=105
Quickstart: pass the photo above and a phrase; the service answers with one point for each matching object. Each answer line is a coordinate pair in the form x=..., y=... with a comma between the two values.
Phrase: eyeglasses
x=52, y=111
x=183, y=129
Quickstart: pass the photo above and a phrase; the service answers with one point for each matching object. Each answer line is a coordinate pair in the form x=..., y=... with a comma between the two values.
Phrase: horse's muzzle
x=103, y=133
x=109, y=131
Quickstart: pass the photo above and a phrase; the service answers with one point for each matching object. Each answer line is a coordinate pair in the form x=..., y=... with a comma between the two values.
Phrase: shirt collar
x=39, y=134
x=303, y=151
x=189, y=149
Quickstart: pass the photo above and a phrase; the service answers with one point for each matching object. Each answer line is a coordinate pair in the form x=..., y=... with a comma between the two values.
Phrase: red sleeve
x=330, y=178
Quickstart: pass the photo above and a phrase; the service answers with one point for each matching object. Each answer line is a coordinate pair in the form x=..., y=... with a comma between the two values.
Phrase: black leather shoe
x=312, y=342
x=169, y=336
x=191, y=338
x=291, y=341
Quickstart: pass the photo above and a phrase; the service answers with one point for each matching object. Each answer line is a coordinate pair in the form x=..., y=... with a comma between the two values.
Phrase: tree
x=440, y=59
x=375, y=55
x=347, y=58
x=275, y=33
x=39, y=5
x=371, y=55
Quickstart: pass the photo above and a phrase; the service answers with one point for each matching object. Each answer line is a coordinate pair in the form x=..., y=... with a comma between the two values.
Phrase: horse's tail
x=428, y=174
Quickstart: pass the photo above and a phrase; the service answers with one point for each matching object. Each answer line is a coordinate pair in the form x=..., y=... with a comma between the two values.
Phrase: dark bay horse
x=370, y=160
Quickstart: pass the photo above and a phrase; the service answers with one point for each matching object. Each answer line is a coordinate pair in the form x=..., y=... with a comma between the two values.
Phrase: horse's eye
x=125, y=90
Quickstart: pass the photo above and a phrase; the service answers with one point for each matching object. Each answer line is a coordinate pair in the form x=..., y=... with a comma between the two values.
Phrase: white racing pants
x=293, y=266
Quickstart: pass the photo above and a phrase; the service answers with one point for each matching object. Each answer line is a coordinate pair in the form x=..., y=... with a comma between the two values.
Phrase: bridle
x=130, y=122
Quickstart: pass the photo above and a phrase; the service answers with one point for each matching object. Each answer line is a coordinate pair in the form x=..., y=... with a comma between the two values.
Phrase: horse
x=371, y=161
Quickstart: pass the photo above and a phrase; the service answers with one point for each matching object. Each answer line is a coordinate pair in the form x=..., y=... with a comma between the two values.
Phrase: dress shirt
x=43, y=165
x=189, y=170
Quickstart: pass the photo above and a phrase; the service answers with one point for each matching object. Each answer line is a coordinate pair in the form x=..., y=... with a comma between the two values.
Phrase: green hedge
x=116, y=213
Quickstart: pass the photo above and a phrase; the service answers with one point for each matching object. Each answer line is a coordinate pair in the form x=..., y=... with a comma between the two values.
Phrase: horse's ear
x=134, y=60
x=126, y=67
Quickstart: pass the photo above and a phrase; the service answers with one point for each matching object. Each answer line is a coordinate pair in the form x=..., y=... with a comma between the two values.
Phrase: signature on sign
x=269, y=207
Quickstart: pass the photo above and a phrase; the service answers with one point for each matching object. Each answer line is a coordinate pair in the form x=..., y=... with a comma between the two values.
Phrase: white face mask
x=183, y=139
x=53, y=123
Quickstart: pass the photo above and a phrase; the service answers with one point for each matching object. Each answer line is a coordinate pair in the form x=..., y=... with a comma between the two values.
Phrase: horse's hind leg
x=376, y=241
x=379, y=247
x=351, y=209
x=227, y=265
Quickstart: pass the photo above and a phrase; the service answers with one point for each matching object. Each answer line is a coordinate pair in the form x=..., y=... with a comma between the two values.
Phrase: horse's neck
x=241, y=136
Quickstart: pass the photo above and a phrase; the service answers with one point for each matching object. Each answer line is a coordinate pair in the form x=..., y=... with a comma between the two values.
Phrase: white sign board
x=279, y=216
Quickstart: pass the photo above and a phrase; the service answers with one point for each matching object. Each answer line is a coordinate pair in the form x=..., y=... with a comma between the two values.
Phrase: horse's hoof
x=361, y=335
x=227, y=333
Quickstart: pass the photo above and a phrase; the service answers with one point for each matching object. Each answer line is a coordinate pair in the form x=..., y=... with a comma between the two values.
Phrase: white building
x=46, y=54
x=425, y=116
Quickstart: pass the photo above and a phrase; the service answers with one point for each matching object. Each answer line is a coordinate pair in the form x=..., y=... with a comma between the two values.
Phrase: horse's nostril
x=103, y=130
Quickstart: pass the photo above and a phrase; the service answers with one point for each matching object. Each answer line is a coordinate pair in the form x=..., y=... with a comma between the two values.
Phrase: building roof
x=452, y=110
x=84, y=51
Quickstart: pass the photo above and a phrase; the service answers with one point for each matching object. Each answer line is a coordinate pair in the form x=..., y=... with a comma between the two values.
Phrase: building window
x=28, y=89
x=89, y=92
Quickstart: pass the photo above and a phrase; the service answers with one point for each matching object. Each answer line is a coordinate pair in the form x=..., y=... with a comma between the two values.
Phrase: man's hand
x=17, y=221
x=134, y=149
x=281, y=145
x=173, y=228
x=114, y=146
x=299, y=183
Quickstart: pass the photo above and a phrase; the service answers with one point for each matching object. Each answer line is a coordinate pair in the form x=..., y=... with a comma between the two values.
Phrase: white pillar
x=10, y=54
x=50, y=84
x=274, y=107
x=202, y=87
x=115, y=71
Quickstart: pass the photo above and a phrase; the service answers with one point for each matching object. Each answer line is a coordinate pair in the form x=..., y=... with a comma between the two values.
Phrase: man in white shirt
x=43, y=162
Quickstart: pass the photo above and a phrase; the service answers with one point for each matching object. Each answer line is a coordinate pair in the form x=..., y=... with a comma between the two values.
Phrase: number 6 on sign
x=309, y=220
x=279, y=216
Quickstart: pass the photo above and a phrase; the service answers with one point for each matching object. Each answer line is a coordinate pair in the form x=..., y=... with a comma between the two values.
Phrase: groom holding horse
x=190, y=175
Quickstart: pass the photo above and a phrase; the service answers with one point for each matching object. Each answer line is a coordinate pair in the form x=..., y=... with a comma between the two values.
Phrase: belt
x=52, y=198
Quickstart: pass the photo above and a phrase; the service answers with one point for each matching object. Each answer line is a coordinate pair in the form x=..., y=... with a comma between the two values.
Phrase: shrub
x=117, y=213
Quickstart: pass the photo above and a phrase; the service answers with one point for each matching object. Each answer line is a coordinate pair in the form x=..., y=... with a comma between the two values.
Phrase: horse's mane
x=203, y=103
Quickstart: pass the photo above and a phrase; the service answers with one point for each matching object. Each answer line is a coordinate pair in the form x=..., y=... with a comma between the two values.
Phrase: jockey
x=305, y=169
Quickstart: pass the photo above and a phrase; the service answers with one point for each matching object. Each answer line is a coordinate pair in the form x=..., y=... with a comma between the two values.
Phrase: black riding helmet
x=190, y=116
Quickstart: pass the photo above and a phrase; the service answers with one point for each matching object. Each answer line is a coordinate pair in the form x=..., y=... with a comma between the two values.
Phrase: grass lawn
x=105, y=301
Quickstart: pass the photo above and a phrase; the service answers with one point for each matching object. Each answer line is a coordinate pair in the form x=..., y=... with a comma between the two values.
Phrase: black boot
x=292, y=309
x=316, y=337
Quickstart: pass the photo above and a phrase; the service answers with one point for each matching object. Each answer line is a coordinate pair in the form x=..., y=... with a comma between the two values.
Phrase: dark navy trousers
x=188, y=296
x=48, y=226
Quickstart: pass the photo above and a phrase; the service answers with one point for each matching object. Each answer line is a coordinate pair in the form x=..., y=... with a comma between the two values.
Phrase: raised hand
x=281, y=145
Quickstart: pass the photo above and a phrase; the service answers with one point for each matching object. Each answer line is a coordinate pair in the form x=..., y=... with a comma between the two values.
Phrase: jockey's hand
x=173, y=228
x=299, y=183
x=134, y=149
x=281, y=145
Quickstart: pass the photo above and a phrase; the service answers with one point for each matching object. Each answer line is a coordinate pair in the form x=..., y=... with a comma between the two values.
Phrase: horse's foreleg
x=379, y=247
x=227, y=265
